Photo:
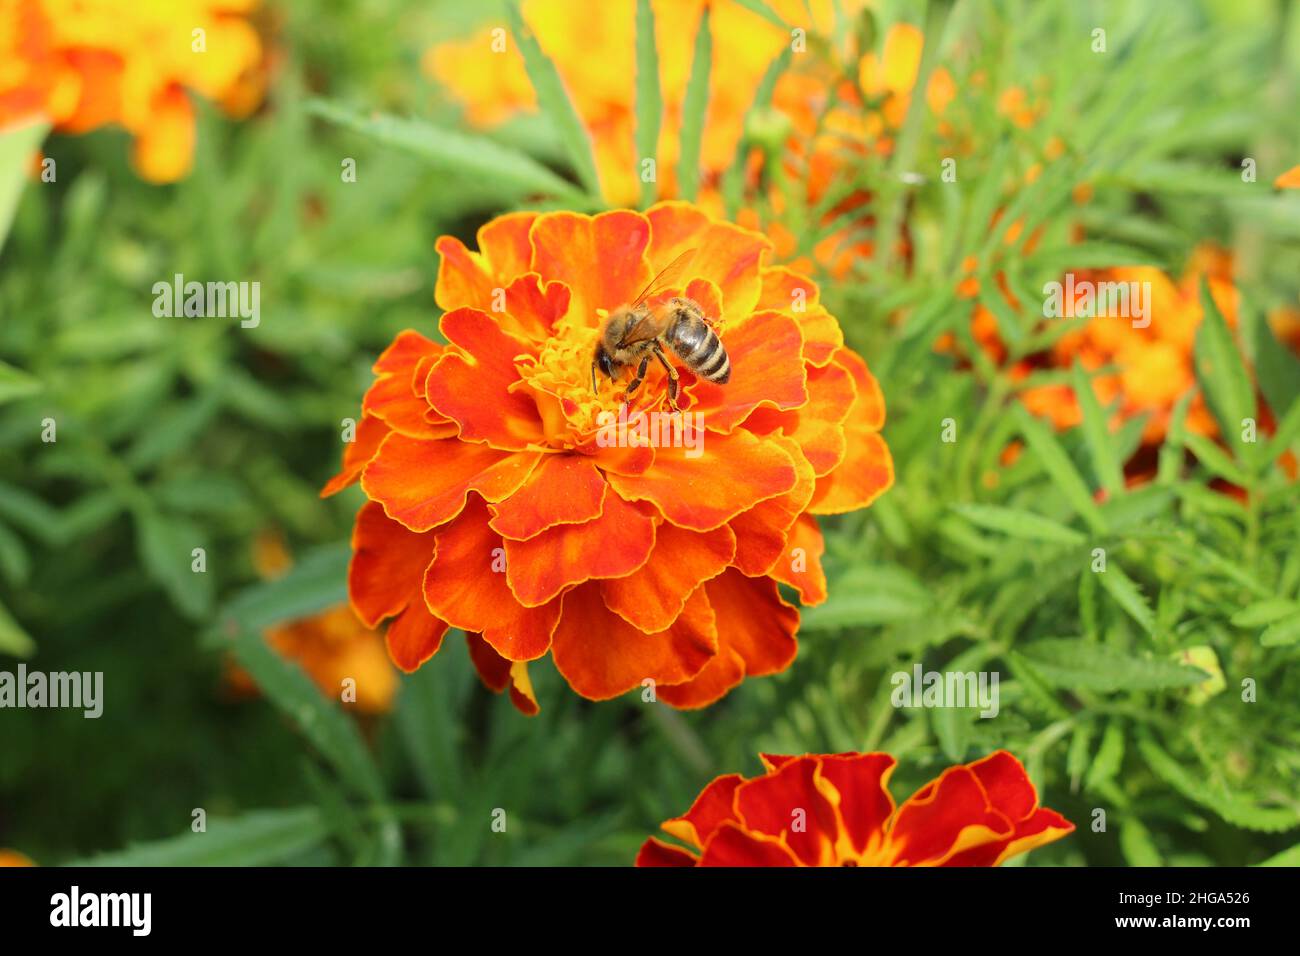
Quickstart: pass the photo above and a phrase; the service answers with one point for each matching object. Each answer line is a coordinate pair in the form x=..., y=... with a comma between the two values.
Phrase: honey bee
x=633, y=334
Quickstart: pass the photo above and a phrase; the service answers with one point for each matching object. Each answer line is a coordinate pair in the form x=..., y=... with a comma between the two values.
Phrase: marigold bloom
x=14, y=858
x=81, y=64
x=499, y=505
x=976, y=814
x=330, y=646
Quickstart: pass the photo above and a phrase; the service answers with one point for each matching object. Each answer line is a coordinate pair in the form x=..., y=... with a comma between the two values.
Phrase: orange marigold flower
x=81, y=64
x=331, y=646
x=498, y=503
x=14, y=858
x=976, y=814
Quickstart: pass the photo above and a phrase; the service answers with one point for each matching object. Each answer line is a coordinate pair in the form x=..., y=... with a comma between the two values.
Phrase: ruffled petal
x=732, y=846
x=727, y=255
x=602, y=656
x=466, y=586
x=656, y=852
x=563, y=489
x=765, y=350
x=414, y=636
x=946, y=817
x=862, y=800
x=357, y=453
x=473, y=387
x=801, y=567
x=388, y=563
x=423, y=483
x=600, y=258
x=653, y=597
x=713, y=807
x=498, y=674
x=790, y=805
x=730, y=475
x=614, y=544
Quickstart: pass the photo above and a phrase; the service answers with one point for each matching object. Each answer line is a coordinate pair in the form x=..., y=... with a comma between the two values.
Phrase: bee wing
x=668, y=275
x=642, y=330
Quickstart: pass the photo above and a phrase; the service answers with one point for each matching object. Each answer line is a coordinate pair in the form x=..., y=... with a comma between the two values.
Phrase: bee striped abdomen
x=699, y=347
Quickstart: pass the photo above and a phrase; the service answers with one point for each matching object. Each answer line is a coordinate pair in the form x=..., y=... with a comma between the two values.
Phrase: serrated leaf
x=1277, y=371
x=258, y=838
x=1072, y=662
x=1216, y=459
x=451, y=151
x=1059, y=468
x=1236, y=810
x=1110, y=755
x=555, y=102
x=695, y=105
x=649, y=98
x=1128, y=596
x=1106, y=464
x=1018, y=523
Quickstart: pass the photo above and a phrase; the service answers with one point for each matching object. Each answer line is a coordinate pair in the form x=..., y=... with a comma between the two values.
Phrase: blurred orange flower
x=744, y=45
x=1154, y=366
x=14, y=858
x=81, y=64
x=1289, y=179
x=331, y=646
x=499, y=504
x=836, y=810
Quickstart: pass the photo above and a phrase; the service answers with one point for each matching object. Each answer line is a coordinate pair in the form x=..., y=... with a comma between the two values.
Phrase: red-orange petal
x=733, y=846
x=652, y=597
x=713, y=807
x=600, y=258
x=947, y=816
x=602, y=656
x=472, y=388
x=563, y=489
x=727, y=255
x=614, y=544
x=655, y=852
x=466, y=586
x=731, y=474
x=761, y=532
x=765, y=350
x=387, y=566
x=788, y=804
x=357, y=453
x=865, y=806
x=423, y=484
x=498, y=674
x=414, y=636
x=801, y=564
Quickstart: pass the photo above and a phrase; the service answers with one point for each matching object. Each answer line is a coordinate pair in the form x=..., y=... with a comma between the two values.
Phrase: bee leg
x=595, y=389
x=636, y=382
x=672, y=376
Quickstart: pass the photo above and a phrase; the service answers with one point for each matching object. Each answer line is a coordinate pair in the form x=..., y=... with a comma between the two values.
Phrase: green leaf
x=1059, y=468
x=1110, y=755
x=165, y=544
x=451, y=151
x=1282, y=633
x=695, y=105
x=1136, y=844
x=765, y=11
x=321, y=720
x=1101, y=444
x=1288, y=430
x=1216, y=459
x=1236, y=810
x=258, y=838
x=1128, y=596
x=1072, y=662
x=555, y=102
x=1019, y=524
x=733, y=180
x=16, y=384
x=1221, y=371
x=318, y=580
x=1277, y=371
x=1265, y=612
x=17, y=146
x=1288, y=857
x=13, y=639
x=649, y=98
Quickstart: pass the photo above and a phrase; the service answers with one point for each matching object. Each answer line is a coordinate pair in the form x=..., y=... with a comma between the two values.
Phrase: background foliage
x=172, y=432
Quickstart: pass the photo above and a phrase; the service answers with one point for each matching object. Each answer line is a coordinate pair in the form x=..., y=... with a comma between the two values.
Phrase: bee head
x=604, y=361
